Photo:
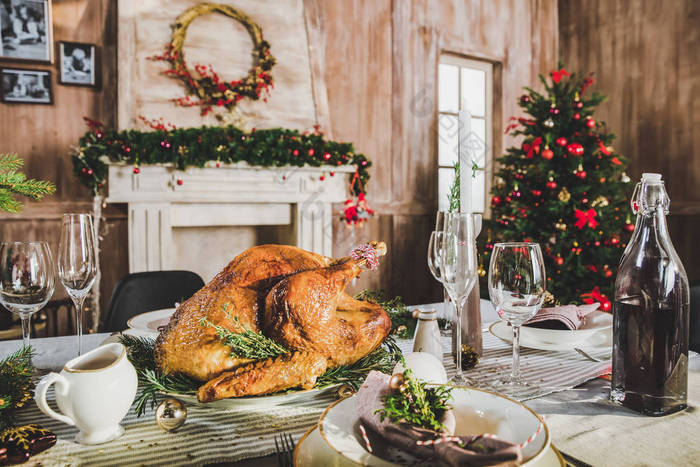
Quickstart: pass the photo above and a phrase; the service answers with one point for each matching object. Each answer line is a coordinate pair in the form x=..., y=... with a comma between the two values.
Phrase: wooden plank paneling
x=645, y=58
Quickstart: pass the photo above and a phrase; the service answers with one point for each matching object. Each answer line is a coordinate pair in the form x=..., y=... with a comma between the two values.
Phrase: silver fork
x=284, y=445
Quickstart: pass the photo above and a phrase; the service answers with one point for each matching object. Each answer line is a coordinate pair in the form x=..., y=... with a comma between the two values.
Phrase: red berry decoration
x=178, y=181
x=575, y=149
x=547, y=154
x=590, y=123
x=137, y=170
x=577, y=116
x=578, y=105
x=551, y=185
x=629, y=227
x=561, y=141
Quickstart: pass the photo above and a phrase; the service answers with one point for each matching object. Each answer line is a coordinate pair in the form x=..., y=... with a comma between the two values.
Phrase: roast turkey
x=294, y=297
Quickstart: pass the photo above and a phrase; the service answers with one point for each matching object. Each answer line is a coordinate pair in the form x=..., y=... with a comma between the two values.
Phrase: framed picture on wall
x=77, y=63
x=26, y=30
x=22, y=86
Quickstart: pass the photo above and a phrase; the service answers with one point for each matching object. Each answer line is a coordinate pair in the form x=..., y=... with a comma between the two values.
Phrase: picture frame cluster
x=26, y=36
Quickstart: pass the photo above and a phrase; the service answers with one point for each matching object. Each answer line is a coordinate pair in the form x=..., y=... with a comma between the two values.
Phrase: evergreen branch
x=417, y=404
x=246, y=343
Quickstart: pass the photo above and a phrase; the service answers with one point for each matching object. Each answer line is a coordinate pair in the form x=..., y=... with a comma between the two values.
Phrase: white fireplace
x=200, y=218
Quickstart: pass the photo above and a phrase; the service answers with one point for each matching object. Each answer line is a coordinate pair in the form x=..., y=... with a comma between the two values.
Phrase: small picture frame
x=23, y=86
x=26, y=30
x=77, y=64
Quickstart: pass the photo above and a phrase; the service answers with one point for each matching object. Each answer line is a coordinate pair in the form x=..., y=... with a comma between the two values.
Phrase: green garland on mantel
x=194, y=147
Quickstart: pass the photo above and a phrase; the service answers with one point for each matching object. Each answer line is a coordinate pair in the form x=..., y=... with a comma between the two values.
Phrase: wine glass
x=27, y=280
x=517, y=286
x=77, y=265
x=459, y=272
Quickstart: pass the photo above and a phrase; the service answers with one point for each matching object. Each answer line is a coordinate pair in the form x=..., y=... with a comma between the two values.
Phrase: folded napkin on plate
x=476, y=450
x=562, y=317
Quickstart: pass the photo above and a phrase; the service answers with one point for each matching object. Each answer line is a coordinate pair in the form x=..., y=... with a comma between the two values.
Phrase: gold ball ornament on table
x=171, y=414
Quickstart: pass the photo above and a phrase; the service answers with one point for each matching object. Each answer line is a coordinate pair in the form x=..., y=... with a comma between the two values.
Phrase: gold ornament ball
x=564, y=195
x=396, y=381
x=171, y=414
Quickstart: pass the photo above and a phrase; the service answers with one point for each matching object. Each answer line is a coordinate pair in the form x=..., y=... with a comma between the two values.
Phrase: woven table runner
x=216, y=435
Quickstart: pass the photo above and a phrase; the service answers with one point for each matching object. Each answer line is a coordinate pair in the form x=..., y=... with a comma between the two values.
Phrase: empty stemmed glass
x=452, y=260
x=517, y=288
x=26, y=280
x=77, y=264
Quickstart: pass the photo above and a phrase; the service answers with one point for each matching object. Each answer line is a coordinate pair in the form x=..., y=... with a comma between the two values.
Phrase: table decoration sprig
x=415, y=402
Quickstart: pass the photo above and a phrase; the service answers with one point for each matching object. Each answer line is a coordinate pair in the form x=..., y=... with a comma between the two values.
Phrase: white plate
x=151, y=321
x=597, y=340
x=312, y=451
x=252, y=402
x=477, y=411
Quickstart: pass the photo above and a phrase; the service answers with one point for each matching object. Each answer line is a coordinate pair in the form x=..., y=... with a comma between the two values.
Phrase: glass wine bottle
x=651, y=312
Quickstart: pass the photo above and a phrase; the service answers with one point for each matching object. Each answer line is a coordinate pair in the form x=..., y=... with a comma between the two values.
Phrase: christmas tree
x=564, y=188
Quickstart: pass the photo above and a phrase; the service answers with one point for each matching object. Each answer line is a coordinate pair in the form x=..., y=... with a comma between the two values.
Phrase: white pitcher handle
x=62, y=386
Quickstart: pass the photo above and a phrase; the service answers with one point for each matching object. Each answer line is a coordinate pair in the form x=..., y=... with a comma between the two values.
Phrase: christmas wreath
x=194, y=147
x=204, y=83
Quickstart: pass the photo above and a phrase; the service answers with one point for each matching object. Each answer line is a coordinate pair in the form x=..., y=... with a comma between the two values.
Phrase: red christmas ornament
x=575, y=149
x=551, y=185
x=590, y=123
x=178, y=181
x=629, y=227
x=547, y=154
x=577, y=116
x=561, y=141
x=578, y=105
x=137, y=170
x=581, y=174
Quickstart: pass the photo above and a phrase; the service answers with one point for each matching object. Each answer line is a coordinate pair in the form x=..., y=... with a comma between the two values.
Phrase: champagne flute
x=77, y=264
x=27, y=280
x=517, y=285
x=459, y=272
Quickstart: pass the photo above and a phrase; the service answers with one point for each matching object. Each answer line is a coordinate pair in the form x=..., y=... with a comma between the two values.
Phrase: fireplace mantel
x=161, y=198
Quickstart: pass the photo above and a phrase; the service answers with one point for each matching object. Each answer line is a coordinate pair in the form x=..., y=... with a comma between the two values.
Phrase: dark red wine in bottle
x=650, y=312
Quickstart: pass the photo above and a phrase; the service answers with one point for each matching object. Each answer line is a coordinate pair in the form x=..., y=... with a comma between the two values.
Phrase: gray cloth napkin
x=474, y=450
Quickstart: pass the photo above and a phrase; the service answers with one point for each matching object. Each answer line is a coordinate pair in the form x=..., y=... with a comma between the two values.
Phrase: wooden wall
x=45, y=135
x=646, y=58
x=381, y=66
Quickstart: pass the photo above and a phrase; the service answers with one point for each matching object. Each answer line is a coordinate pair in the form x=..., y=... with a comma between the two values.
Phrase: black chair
x=148, y=291
x=695, y=316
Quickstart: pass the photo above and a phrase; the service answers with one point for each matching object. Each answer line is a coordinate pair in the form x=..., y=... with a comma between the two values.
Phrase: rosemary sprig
x=246, y=343
x=417, y=404
x=382, y=359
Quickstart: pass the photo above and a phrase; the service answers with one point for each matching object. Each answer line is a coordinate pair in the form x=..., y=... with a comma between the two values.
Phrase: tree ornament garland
x=572, y=197
x=204, y=83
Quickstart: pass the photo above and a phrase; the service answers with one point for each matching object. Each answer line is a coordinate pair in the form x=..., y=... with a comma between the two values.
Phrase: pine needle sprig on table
x=246, y=343
x=16, y=386
x=417, y=403
x=14, y=183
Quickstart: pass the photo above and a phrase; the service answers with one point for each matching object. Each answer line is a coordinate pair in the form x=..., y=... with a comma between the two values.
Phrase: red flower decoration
x=557, y=75
x=584, y=218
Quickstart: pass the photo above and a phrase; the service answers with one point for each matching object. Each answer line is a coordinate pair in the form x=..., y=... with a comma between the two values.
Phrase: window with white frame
x=464, y=83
